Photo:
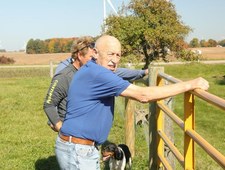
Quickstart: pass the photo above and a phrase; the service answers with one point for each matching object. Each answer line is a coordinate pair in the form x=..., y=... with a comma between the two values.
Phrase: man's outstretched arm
x=131, y=74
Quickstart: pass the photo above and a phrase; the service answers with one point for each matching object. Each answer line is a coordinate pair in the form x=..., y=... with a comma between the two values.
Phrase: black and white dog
x=119, y=156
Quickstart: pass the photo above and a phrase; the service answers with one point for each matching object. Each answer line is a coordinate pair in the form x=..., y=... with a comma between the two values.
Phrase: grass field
x=27, y=143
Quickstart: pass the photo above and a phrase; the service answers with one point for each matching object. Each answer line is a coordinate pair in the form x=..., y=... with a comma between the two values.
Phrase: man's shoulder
x=70, y=70
x=63, y=64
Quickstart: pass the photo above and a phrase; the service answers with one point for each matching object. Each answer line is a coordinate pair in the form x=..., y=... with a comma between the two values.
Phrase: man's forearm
x=153, y=93
x=52, y=114
x=129, y=74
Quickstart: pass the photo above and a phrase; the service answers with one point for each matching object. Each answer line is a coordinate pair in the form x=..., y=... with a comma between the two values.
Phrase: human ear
x=95, y=53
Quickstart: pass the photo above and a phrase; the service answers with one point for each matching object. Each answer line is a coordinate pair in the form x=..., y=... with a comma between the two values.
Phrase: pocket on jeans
x=62, y=146
x=84, y=150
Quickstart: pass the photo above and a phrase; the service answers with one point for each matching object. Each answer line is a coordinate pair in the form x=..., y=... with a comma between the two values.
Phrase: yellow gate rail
x=187, y=160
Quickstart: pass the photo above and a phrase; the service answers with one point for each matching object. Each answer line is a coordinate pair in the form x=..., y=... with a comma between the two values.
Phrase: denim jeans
x=72, y=156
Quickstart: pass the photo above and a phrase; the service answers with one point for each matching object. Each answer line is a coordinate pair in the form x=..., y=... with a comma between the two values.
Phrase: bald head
x=109, y=51
x=106, y=41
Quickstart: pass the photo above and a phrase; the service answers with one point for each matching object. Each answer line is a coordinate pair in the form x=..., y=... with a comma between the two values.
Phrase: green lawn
x=28, y=143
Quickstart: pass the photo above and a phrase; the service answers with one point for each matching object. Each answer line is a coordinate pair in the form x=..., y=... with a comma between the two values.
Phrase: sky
x=21, y=20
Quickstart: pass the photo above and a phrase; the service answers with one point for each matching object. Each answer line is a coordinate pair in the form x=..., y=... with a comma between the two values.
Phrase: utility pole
x=104, y=11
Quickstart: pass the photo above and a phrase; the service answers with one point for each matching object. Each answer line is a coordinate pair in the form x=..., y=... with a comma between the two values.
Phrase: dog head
x=109, y=151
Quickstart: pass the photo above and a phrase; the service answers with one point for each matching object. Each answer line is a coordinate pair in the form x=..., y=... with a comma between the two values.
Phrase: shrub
x=2, y=50
x=6, y=60
x=188, y=55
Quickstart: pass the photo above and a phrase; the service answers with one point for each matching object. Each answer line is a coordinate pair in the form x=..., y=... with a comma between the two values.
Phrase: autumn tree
x=147, y=29
x=203, y=43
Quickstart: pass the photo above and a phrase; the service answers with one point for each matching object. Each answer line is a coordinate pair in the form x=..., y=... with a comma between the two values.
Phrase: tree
x=222, y=43
x=194, y=43
x=203, y=43
x=35, y=46
x=147, y=28
x=30, y=47
x=212, y=43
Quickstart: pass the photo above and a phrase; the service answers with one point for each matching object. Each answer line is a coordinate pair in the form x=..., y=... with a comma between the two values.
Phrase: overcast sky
x=22, y=20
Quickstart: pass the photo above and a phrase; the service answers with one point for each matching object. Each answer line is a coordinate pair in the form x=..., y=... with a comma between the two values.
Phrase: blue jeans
x=72, y=156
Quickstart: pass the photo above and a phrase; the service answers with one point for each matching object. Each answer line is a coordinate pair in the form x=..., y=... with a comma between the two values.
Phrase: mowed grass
x=28, y=143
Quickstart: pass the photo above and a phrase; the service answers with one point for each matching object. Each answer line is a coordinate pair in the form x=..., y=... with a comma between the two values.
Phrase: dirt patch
x=212, y=53
x=21, y=58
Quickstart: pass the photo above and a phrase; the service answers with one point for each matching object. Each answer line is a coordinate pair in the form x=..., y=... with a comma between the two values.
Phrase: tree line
x=195, y=42
x=63, y=45
x=54, y=45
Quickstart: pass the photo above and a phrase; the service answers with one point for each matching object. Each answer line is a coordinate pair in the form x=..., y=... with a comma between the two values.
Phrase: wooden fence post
x=130, y=125
x=168, y=125
x=153, y=71
x=51, y=69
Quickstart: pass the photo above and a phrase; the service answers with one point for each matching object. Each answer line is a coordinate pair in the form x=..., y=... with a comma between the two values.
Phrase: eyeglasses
x=90, y=45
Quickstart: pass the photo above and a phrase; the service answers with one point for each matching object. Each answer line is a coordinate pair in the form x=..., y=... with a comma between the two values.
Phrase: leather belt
x=77, y=140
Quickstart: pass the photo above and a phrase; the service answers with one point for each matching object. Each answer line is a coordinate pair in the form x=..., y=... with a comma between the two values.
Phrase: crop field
x=21, y=58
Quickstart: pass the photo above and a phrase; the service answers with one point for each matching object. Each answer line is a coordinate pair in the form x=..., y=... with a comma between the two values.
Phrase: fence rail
x=188, y=126
x=158, y=137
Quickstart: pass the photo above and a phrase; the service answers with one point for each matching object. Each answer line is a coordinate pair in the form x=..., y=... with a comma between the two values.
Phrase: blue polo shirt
x=90, y=106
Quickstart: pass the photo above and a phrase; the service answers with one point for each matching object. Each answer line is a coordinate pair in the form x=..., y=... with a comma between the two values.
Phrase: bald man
x=90, y=107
